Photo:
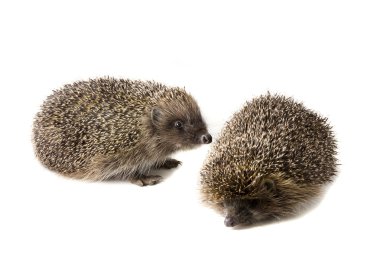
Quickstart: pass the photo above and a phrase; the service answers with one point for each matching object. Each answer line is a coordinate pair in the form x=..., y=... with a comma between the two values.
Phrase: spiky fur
x=271, y=139
x=103, y=128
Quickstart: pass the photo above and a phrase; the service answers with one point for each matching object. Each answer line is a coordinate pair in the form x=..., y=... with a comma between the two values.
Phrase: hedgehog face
x=266, y=200
x=249, y=210
x=239, y=211
x=245, y=211
x=179, y=126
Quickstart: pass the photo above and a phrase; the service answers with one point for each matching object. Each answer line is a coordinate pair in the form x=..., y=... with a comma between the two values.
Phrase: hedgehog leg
x=169, y=164
x=144, y=180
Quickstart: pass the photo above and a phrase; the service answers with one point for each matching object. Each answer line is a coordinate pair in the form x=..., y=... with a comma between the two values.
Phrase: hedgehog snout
x=230, y=221
x=206, y=138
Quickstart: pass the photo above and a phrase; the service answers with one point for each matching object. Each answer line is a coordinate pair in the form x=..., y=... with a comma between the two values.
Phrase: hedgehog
x=272, y=159
x=107, y=128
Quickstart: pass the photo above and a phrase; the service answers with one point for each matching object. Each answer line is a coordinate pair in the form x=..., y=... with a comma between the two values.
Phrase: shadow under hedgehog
x=110, y=128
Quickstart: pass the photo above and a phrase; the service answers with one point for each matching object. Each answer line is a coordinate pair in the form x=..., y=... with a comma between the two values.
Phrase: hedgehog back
x=87, y=118
x=271, y=134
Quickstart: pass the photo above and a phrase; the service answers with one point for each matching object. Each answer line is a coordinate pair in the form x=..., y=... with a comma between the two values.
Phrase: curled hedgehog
x=271, y=158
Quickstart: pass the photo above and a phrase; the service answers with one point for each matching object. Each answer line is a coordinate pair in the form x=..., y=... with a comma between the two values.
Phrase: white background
x=323, y=53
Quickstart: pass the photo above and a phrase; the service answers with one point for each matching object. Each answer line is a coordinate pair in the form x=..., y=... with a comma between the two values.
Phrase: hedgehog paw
x=170, y=164
x=147, y=180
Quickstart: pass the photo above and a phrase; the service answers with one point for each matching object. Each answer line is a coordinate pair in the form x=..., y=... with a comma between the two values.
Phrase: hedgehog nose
x=206, y=138
x=229, y=222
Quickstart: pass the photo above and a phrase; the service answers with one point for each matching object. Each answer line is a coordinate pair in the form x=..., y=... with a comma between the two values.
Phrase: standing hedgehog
x=272, y=156
x=116, y=129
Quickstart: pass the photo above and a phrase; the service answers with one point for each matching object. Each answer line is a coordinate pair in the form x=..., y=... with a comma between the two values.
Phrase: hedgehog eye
x=178, y=124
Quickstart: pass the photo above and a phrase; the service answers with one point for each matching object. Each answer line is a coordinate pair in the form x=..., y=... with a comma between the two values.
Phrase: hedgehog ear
x=155, y=114
x=268, y=185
